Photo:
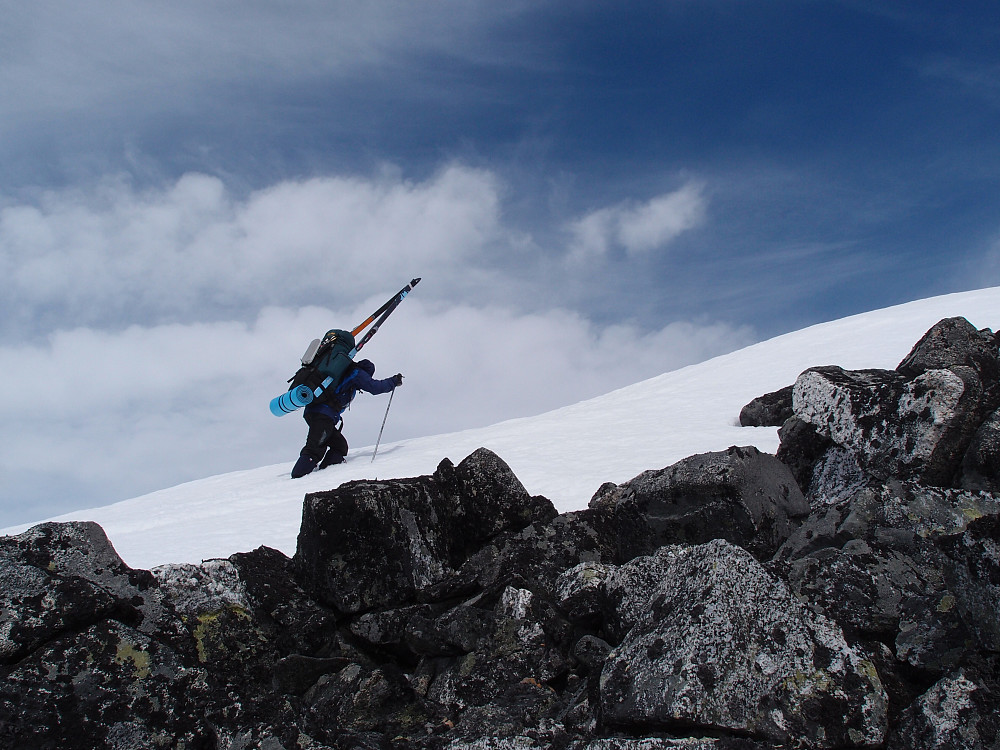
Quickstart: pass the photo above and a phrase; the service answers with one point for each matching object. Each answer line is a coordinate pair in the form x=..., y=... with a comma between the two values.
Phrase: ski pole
x=391, y=394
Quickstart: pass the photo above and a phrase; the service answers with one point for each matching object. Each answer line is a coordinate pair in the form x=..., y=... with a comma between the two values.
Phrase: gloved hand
x=397, y=380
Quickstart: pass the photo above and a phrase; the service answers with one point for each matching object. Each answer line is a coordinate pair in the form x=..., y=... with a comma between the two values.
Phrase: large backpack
x=326, y=363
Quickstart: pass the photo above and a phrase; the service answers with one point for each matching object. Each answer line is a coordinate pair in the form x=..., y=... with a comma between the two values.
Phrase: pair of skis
x=382, y=313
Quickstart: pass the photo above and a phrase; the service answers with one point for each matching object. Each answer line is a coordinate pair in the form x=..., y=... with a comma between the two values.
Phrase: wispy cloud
x=638, y=228
x=981, y=80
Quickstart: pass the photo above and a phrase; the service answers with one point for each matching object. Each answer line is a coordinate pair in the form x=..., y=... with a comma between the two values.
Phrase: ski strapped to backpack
x=327, y=361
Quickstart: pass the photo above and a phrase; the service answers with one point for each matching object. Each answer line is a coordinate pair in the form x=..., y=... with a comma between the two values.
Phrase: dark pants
x=324, y=434
x=323, y=437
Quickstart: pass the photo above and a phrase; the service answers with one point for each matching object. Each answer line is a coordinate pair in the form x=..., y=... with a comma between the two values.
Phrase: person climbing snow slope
x=325, y=441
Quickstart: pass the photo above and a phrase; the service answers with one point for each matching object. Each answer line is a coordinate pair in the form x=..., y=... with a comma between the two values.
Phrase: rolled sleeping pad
x=291, y=400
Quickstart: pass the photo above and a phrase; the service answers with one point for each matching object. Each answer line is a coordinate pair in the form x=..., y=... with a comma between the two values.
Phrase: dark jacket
x=360, y=379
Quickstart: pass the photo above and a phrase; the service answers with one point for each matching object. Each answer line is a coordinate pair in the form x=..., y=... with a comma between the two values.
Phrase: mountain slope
x=565, y=454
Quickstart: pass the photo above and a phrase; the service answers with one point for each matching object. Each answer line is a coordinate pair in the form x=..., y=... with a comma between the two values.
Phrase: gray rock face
x=896, y=428
x=919, y=421
x=981, y=464
x=87, y=645
x=741, y=494
x=892, y=562
x=957, y=713
x=724, y=645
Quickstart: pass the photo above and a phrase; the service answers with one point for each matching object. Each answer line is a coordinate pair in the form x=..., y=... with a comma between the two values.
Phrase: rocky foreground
x=841, y=594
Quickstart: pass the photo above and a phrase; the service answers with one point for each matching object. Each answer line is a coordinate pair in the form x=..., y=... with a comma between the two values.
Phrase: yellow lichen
x=972, y=514
x=206, y=632
x=946, y=603
x=139, y=659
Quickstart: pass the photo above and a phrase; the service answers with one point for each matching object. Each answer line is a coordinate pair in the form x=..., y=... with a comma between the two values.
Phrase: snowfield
x=565, y=454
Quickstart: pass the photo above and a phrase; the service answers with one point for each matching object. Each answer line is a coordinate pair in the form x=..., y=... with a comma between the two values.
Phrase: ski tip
x=414, y=282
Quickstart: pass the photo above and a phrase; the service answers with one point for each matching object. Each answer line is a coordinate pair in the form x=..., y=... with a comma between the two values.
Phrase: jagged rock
x=370, y=544
x=801, y=447
x=742, y=495
x=460, y=630
x=536, y=556
x=63, y=578
x=725, y=646
x=580, y=592
x=611, y=599
x=292, y=621
x=951, y=342
x=658, y=743
x=515, y=719
x=456, y=611
x=899, y=514
x=972, y=571
x=208, y=587
x=528, y=642
x=907, y=563
x=770, y=410
x=957, y=713
x=386, y=629
x=895, y=427
x=591, y=652
x=359, y=698
x=295, y=674
x=862, y=589
x=836, y=476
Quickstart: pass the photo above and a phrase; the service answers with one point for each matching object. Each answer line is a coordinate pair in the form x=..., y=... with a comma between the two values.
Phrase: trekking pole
x=391, y=394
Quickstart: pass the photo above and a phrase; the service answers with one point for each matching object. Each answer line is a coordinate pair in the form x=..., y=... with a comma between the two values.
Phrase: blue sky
x=602, y=191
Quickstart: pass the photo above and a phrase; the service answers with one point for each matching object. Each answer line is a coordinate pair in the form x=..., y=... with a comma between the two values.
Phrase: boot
x=331, y=458
x=303, y=466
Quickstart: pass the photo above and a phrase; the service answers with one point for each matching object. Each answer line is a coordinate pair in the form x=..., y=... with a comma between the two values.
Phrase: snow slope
x=564, y=454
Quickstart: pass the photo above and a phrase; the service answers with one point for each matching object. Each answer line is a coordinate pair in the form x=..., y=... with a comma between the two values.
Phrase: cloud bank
x=92, y=416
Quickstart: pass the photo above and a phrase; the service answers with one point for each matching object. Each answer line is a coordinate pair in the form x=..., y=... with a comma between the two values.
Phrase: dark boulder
x=972, y=572
x=107, y=685
x=63, y=578
x=801, y=447
x=361, y=698
x=893, y=562
x=954, y=342
x=371, y=544
x=536, y=556
x=92, y=652
x=742, y=495
x=770, y=410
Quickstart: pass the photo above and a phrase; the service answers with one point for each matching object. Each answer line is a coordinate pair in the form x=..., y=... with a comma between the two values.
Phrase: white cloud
x=117, y=253
x=89, y=417
x=638, y=228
